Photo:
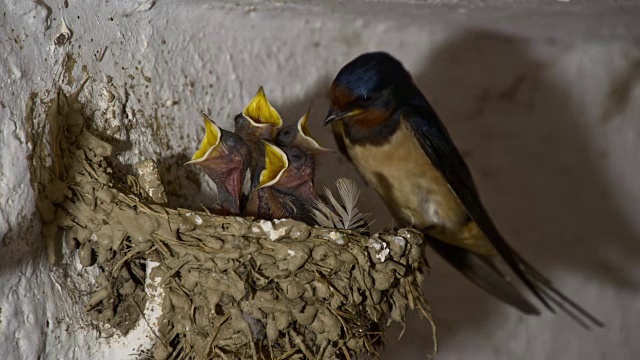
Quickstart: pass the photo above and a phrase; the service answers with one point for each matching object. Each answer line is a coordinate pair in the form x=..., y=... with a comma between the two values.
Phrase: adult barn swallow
x=225, y=158
x=390, y=132
x=298, y=135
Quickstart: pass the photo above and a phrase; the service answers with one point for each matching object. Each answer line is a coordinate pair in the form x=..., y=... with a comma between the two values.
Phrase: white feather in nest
x=345, y=215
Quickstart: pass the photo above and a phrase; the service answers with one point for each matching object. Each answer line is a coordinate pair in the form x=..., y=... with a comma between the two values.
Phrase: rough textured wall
x=540, y=97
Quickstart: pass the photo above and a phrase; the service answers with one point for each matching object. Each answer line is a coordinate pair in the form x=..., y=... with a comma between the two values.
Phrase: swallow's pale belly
x=415, y=191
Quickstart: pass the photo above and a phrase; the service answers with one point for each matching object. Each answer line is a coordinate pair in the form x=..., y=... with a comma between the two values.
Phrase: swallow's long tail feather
x=539, y=285
x=555, y=296
x=486, y=275
x=542, y=287
x=483, y=274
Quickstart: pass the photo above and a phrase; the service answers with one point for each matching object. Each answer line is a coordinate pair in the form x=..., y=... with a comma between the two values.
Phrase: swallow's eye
x=364, y=100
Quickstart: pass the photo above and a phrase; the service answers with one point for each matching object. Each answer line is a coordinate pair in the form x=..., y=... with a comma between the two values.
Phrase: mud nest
x=231, y=287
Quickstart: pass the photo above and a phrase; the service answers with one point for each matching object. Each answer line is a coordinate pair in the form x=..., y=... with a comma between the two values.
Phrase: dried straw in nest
x=233, y=288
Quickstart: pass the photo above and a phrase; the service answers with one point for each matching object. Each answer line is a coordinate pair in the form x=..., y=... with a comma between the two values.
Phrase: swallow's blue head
x=369, y=89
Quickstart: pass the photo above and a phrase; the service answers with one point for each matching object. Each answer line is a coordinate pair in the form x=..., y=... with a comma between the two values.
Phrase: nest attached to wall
x=233, y=287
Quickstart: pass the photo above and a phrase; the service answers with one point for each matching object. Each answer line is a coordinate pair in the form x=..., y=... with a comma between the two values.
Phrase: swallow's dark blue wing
x=438, y=146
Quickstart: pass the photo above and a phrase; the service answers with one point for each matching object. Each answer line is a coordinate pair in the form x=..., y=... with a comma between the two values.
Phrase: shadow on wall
x=534, y=167
x=532, y=161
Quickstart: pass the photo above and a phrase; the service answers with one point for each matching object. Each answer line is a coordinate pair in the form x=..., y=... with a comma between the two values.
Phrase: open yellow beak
x=303, y=129
x=275, y=163
x=260, y=112
x=209, y=143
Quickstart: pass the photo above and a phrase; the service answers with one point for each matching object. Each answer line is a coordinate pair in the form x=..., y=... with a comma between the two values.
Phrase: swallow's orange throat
x=369, y=118
x=371, y=126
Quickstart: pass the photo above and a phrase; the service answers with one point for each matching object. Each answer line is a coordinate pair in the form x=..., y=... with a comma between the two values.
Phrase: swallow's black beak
x=334, y=115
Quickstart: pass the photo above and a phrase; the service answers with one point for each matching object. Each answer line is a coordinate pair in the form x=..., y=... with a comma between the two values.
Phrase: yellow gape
x=303, y=130
x=275, y=163
x=209, y=143
x=260, y=112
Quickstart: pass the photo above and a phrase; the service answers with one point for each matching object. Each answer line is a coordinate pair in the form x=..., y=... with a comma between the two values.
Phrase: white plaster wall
x=541, y=97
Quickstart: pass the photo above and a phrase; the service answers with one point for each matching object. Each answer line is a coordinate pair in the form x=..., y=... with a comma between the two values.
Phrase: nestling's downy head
x=298, y=135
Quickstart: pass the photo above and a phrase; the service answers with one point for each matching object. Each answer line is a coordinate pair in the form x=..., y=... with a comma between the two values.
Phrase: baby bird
x=258, y=121
x=286, y=188
x=263, y=202
x=296, y=184
x=298, y=135
x=225, y=158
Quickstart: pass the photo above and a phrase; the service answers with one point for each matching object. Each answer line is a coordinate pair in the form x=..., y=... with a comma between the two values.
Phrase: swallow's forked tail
x=549, y=294
x=486, y=275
